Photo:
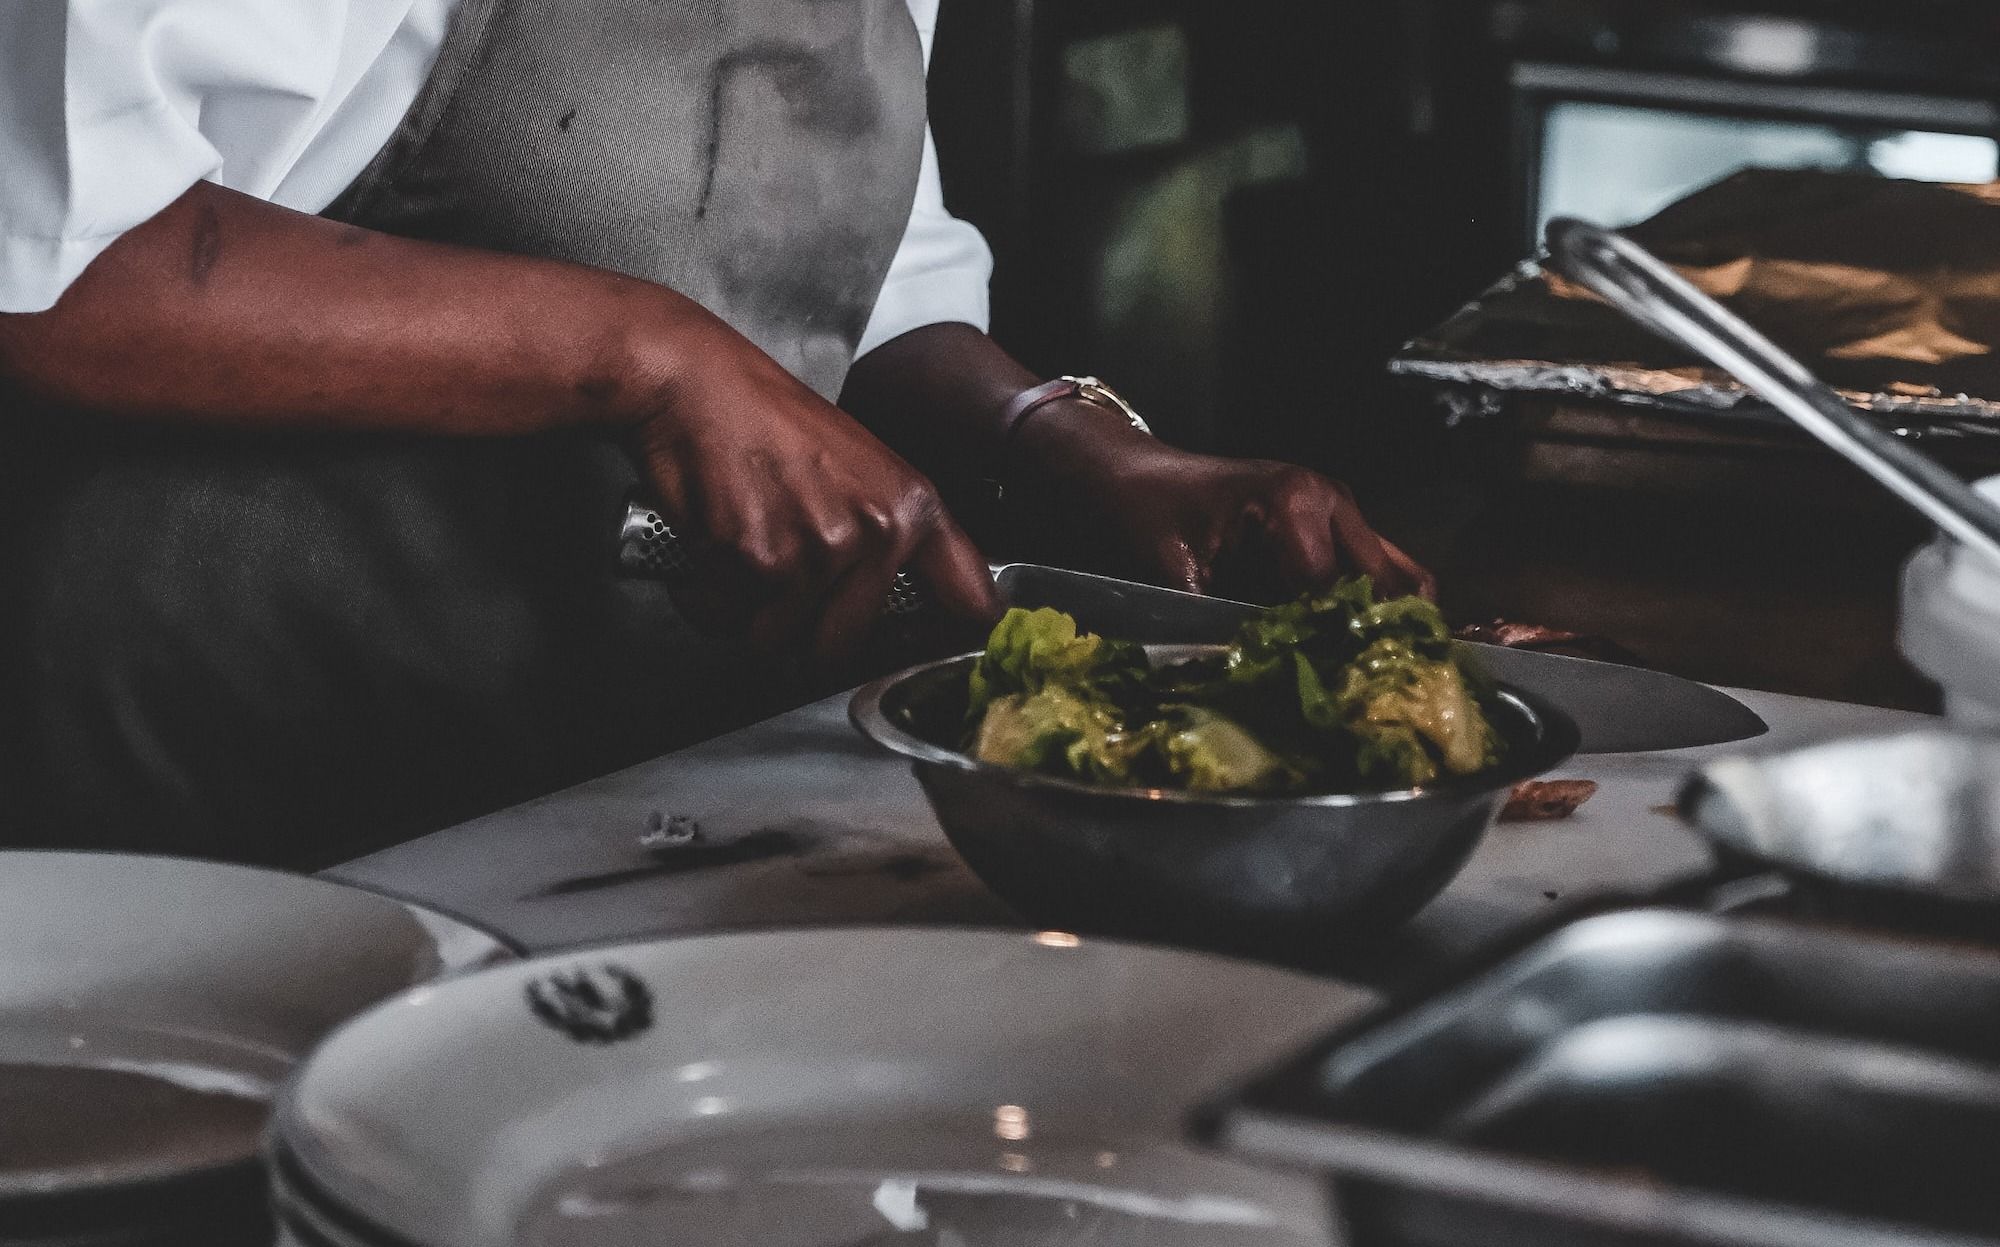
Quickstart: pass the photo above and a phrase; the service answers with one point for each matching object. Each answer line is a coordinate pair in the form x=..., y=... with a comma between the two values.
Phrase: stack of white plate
x=150, y=1008
x=801, y=1089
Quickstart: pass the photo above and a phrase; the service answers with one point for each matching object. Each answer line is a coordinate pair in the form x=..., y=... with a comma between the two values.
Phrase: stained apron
x=290, y=648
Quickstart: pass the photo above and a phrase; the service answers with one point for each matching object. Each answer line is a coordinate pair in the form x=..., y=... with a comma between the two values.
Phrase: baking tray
x=1889, y=290
x=1656, y=1077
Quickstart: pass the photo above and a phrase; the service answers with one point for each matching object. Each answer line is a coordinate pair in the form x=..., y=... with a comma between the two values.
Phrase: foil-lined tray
x=1889, y=290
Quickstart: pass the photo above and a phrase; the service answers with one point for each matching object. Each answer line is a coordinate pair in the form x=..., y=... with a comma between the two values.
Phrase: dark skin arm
x=1194, y=522
x=225, y=310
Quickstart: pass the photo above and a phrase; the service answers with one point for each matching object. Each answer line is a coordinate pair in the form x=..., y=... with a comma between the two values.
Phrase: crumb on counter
x=1546, y=800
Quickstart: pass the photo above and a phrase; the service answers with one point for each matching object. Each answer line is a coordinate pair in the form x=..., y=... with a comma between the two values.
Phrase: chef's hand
x=291, y=322
x=1240, y=527
x=807, y=516
x=1103, y=493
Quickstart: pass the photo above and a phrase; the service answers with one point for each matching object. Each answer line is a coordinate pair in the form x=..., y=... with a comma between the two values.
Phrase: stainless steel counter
x=802, y=823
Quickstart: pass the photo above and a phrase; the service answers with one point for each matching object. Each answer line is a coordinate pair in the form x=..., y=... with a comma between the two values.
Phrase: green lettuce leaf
x=1032, y=650
x=1056, y=731
x=1414, y=717
x=1210, y=752
x=1334, y=691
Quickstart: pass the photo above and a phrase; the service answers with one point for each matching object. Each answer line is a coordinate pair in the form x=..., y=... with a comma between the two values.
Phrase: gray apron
x=292, y=648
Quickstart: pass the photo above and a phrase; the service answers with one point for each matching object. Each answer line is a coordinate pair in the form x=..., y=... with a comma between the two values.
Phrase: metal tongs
x=1645, y=289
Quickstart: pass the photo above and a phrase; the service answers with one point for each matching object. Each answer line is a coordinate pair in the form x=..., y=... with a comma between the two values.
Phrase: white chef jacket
x=110, y=109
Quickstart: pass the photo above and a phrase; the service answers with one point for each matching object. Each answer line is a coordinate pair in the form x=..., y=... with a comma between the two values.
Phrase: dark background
x=1236, y=213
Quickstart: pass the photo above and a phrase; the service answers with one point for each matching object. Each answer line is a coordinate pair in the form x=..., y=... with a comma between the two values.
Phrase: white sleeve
x=941, y=270
x=111, y=109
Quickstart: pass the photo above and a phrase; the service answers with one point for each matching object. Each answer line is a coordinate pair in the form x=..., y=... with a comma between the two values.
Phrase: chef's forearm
x=937, y=396
x=227, y=310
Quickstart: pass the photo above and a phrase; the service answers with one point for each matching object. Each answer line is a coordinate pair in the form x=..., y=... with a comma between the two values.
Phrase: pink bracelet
x=1031, y=400
x=1090, y=389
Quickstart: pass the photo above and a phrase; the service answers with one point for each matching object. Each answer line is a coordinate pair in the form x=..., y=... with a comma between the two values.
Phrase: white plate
x=812, y=1089
x=303, y=1219
x=149, y=1007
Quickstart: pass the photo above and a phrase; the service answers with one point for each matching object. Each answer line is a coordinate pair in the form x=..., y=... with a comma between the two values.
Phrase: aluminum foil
x=1889, y=290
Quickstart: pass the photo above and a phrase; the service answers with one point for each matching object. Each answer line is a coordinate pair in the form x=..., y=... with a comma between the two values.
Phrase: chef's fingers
x=1177, y=565
x=854, y=609
x=1362, y=549
x=1301, y=535
x=923, y=539
x=675, y=483
x=710, y=597
x=834, y=617
x=786, y=555
x=954, y=572
x=1426, y=585
x=873, y=544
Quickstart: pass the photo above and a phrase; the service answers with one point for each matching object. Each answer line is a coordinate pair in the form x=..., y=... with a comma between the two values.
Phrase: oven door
x=1615, y=145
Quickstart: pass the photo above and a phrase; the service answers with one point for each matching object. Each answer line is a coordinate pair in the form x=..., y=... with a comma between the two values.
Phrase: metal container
x=1755, y=1111
x=1274, y=875
x=1655, y=1077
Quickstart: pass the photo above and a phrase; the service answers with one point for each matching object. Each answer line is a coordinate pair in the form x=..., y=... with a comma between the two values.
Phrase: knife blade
x=1619, y=709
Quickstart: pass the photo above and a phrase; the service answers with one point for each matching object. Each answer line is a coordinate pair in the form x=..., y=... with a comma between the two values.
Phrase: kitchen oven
x=1618, y=110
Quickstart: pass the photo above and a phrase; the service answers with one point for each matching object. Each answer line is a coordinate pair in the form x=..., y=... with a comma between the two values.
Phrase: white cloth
x=110, y=109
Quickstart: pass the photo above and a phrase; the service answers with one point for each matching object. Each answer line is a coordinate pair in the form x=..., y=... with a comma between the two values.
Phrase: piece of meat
x=1545, y=800
x=1548, y=641
x=1502, y=632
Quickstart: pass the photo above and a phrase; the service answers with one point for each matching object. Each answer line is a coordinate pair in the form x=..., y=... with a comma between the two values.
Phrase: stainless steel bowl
x=1256, y=874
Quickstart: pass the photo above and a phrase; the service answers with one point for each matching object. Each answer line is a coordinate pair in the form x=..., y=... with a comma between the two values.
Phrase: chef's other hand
x=805, y=515
x=1240, y=527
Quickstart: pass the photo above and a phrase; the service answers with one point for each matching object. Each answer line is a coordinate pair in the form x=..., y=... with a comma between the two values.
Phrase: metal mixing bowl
x=1257, y=874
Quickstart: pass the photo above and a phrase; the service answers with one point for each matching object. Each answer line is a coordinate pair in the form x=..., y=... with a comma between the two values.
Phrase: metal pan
x=1659, y=1079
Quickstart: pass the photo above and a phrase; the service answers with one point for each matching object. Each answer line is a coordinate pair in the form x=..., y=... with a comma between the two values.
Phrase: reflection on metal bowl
x=1278, y=875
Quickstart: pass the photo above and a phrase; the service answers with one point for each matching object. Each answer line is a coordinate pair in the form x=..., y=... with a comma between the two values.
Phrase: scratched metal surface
x=802, y=823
